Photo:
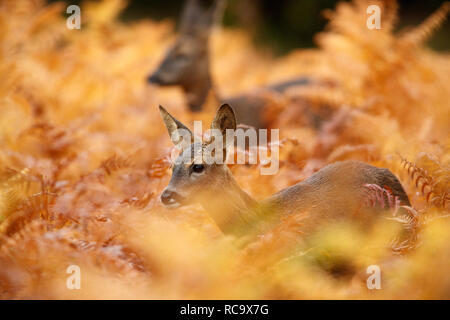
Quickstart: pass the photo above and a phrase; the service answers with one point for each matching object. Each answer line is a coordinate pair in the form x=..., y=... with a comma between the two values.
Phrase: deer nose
x=153, y=78
x=169, y=198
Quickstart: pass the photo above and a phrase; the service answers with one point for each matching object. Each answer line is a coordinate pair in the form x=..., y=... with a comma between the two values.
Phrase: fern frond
x=115, y=163
x=422, y=32
x=159, y=167
x=390, y=14
x=367, y=152
x=14, y=188
x=139, y=202
x=432, y=187
x=320, y=95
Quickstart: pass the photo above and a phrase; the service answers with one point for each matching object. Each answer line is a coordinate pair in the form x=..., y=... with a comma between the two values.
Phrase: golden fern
x=424, y=31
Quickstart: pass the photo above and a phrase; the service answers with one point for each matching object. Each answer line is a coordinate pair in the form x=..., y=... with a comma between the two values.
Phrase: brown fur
x=334, y=193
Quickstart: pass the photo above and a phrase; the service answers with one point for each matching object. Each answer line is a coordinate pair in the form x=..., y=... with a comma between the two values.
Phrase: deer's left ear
x=224, y=119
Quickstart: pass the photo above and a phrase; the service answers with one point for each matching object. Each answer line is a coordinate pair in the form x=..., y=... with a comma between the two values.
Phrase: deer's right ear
x=200, y=15
x=178, y=132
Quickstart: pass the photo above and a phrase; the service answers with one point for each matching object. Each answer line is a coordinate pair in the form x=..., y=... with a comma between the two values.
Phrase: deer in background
x=335, y=193
x=187, y=65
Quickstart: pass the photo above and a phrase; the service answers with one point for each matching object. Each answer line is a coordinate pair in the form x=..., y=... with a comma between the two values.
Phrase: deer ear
x=178, y=132
x=200, y=15
x=224, y=119
x=215, y=12
x=190, y=15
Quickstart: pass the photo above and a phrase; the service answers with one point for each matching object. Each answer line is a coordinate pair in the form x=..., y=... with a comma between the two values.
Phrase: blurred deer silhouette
x=187, y=65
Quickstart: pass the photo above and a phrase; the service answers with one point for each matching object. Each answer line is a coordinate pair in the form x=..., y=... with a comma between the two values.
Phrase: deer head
x=199, y=172
x=186, y=64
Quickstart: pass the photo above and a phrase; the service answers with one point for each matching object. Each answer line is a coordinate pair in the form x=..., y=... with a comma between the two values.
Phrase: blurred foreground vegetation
x=84, y=157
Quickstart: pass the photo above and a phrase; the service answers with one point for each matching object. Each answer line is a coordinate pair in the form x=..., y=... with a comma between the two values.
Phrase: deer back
x=338, y=191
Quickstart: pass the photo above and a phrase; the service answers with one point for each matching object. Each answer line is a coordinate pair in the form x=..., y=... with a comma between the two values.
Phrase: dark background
x=284, y=25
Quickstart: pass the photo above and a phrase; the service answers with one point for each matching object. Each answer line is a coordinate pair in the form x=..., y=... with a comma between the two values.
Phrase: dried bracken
x=84, y=157
x=433, y=179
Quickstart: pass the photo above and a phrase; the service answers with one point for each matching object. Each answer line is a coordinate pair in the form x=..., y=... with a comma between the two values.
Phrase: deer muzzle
x=154, y=78
x=171, y=199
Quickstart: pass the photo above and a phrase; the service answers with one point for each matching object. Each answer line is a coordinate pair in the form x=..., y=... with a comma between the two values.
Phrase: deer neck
x=234, y=211
x=197, y=93
x=198, y=85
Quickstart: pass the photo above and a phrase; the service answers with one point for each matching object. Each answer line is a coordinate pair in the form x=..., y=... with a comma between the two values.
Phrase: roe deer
x=334, y=193
x=186, y=64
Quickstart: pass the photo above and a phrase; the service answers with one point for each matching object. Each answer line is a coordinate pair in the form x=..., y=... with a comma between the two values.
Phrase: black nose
x=153, y=78
x=169, y=197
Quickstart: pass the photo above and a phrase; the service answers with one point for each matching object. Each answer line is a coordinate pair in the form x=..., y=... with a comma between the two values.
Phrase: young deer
x=334, y=193
x=187, y=65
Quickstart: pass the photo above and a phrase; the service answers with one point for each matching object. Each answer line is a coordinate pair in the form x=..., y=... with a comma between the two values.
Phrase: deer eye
x=198, y=168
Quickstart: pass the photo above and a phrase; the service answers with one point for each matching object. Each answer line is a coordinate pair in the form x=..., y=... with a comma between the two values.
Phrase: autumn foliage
x=84, y=157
